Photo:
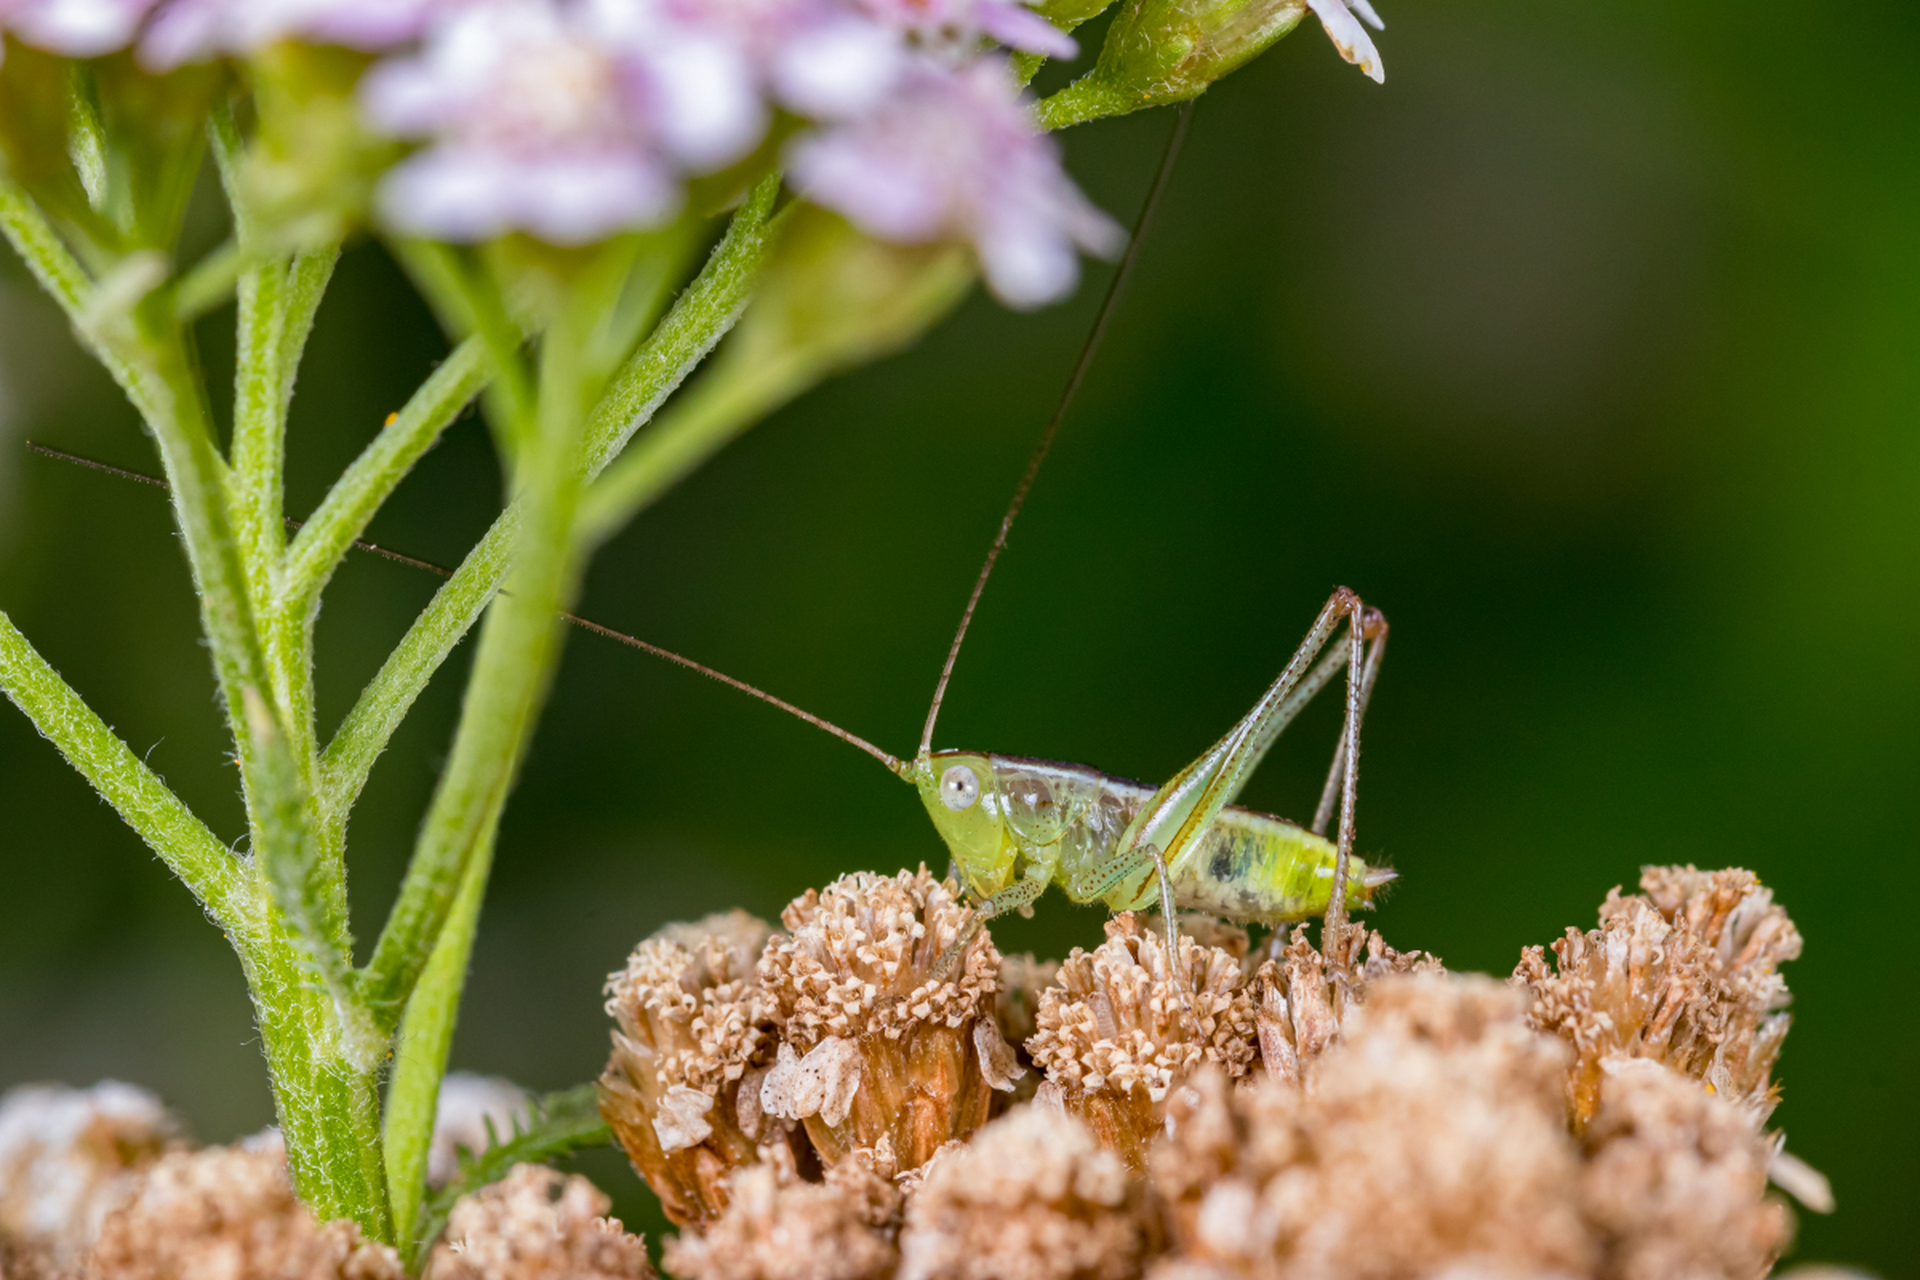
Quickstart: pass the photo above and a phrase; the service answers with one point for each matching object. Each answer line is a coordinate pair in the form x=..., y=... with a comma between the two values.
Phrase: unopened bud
x=1161, y=51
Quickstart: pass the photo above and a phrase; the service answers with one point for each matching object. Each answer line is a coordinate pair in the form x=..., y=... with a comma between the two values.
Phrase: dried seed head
x=780, y=1228
x=1115, y=1036
x=1433, y=1136
x=1686, y=975
x=537, y=1224
x=230, y=1211
x=1676, y=1180
x=681, y=1090
x=880, y=1053
x=1032, y=1197
x=1299, y=1008
x=67, y=1156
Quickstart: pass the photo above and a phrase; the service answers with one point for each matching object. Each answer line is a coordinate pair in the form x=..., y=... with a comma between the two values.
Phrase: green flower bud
x=1162, y=51
x=312, y=163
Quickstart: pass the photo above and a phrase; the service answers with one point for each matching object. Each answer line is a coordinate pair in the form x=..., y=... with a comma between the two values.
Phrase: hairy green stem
x=519, y=649
x=325, y=1088
x=468, y=303
x=1082, y=102
x=145, y=803
x=349, y=506
x=426, y=1036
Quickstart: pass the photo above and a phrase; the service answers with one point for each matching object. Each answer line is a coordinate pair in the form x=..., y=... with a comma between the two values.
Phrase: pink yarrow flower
x=1348, y=36
x=570, y=121
x=954, y=155
x=74, y=28
x=195, y=30
x=815, y=57
x=836, y=58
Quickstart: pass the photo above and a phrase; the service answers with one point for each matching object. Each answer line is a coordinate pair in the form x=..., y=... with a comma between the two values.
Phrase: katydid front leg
x=1014, y=897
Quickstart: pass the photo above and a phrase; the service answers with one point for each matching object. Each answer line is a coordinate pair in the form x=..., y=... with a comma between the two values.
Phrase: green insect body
x=1009, y=820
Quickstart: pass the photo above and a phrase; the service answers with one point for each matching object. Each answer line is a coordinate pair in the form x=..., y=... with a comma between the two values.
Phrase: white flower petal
x=1349, y=37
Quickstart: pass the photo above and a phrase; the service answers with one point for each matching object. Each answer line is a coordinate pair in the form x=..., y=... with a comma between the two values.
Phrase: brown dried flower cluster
x=1116, y=1034
x=1433, y=1134
x=1267, y=1114
x=229, y=1212
x=780, y=1227
x=682, y=1090
x=835, y=1103
x=1301, y=1000
x=1675, y=1180
x=1686, y=975
x=67, y=1158
x=535, y=1224
x=879, y=1051
x=1033, y=1196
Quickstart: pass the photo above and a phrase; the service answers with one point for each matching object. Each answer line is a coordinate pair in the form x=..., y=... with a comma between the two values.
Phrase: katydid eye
x=959, y=788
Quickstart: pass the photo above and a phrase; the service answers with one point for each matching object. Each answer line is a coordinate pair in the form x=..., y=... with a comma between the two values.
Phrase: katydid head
x=961, y=795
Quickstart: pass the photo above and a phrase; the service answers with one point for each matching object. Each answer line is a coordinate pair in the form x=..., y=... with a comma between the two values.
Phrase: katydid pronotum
x=1014, y=825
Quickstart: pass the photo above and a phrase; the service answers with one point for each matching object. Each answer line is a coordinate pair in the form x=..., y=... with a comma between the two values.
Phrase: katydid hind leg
x=1376, y=636
x=1182, y=975
x=1333, y=928
x=1181, y=812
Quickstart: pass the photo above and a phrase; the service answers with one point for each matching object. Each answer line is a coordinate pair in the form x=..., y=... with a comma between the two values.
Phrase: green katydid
x=1014, y=826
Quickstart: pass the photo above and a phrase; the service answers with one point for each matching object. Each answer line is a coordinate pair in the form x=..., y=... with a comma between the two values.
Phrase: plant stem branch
x=343, y=515
x=426, y=1035
x=701, y=316
x=136, y=793
x=519, y=649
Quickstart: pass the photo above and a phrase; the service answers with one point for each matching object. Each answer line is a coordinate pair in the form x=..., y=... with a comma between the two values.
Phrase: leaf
x=554, y=1126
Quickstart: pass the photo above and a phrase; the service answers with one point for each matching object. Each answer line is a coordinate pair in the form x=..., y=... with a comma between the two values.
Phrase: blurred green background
x=1588, y=348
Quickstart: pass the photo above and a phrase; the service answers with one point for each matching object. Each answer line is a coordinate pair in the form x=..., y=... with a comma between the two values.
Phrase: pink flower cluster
x=572, y=120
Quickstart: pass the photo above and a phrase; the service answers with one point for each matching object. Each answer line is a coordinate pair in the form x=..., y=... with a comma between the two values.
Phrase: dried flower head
x=1115, y=1036
x=778, y=1227
x=955, y=155
x=1685, y=975
x=1676, y=1180
x=1433, y=1136
x=68, y=1156
x=230, y=1211
x=879, y=1053
x=682, y=1088
x=1299, y=1005
x=537, y=1224
x=1032, y=1197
